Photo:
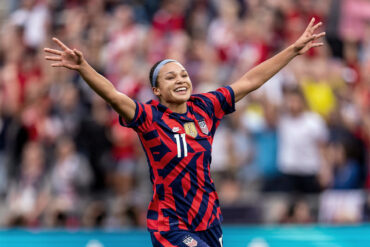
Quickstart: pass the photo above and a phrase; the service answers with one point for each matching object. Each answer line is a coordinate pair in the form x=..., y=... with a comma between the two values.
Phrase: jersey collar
x=166, y=110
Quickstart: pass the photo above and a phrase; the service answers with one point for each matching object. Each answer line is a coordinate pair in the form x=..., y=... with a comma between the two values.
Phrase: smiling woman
x=176, y=133
x=175, y=86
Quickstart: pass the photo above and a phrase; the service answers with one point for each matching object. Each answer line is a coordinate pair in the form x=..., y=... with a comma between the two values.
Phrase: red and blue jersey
x=178, y=149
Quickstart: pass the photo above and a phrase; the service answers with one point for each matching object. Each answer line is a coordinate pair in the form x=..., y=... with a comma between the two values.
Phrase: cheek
x=166, y=92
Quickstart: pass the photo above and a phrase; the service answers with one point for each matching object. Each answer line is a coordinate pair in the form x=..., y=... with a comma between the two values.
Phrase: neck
x=178, y=108
x=296, y=113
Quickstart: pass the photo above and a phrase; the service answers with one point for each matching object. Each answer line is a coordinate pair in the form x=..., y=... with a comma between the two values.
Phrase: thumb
x=77, y=53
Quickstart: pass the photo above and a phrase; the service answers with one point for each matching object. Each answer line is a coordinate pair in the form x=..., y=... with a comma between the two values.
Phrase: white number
x=220, y=239
x=178, y=143
x=177, y=137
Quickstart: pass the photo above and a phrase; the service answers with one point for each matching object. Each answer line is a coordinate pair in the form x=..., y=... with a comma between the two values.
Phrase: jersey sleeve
x=218, y=103
x=142, y=120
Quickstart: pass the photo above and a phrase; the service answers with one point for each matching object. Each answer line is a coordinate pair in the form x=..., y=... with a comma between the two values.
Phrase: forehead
x=171, y=67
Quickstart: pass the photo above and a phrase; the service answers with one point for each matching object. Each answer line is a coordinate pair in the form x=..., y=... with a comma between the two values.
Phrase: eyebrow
x=173, y=72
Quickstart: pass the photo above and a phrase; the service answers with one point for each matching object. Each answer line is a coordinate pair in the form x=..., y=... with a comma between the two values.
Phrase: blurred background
x=296, y=151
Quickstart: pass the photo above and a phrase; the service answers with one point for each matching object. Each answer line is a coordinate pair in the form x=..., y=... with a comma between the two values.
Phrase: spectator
x=70, y=176
x=28, y=192
x=346, y=172
x=301, y=137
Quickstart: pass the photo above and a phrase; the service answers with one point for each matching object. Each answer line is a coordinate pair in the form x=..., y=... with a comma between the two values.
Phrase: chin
x=181, y=99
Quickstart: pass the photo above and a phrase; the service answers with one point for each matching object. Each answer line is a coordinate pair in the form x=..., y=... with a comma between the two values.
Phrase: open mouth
x=181, y=90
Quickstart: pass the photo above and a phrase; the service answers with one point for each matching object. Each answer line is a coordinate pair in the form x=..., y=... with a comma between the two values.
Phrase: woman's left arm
x=257, y=76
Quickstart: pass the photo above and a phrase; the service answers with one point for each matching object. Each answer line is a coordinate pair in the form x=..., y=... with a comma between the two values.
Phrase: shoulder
x=313, y=117
x=150, y=106
x=212, y=95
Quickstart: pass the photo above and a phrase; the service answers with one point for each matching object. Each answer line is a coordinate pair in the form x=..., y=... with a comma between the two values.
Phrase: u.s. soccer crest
x=191, y=242
x=190, y=129
x=203, y=127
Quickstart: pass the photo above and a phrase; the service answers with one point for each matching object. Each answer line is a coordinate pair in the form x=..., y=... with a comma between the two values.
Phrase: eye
x=185, y=75
x=170, y=78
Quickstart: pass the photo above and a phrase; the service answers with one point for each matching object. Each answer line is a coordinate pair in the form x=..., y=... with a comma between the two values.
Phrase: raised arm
x=74, y=60
x=257, y=76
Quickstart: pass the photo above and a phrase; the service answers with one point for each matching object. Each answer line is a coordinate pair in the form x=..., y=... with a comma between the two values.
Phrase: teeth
x=180, y=89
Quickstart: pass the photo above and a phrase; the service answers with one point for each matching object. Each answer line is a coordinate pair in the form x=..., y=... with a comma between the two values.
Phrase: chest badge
x=203, y=127
x=190, y=129
x=189, y=241
x=175, y=129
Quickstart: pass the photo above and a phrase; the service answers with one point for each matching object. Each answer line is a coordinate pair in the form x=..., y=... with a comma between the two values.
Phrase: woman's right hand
x=66, y=57
x=73, y=59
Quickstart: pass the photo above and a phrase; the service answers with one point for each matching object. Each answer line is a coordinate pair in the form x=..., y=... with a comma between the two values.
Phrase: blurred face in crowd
x=294, y=103
x=173, y=84
x=28, y=4
x=65, y=147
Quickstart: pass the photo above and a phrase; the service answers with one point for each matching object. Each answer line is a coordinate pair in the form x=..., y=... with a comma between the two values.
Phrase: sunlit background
x=69, y=172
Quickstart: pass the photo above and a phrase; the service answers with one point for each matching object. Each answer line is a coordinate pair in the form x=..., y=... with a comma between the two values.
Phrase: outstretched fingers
x=311, y=27
x=317, y=36
x=68, y=66
x=53, y=58
x=53, y=51
x=316, y=26
x=57, y=65
x=60, y=43
x=317, y=44
x=322, y=34
x=308, y=28
x=306, y=41
x=314, y=37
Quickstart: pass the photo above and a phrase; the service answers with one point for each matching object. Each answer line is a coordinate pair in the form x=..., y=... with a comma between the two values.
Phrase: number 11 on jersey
x=178, y=143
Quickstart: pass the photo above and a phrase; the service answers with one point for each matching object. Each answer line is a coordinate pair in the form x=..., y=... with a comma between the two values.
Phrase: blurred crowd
x=297, y=150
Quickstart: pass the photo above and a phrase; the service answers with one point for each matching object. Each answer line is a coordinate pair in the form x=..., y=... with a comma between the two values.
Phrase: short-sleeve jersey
x=178, y=149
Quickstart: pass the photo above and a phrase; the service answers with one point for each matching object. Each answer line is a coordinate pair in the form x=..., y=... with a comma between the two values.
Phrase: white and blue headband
x=158, y=68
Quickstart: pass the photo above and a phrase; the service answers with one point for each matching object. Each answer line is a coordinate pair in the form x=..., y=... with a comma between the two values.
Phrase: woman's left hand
x=306, y=41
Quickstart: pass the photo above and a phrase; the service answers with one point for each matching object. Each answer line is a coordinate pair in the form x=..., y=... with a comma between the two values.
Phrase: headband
x=158, y=68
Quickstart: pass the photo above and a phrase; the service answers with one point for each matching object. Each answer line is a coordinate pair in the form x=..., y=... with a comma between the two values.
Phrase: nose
x=179, y=81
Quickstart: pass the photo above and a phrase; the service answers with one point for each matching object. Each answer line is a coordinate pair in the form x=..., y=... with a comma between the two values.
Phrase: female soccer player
x=176, y=133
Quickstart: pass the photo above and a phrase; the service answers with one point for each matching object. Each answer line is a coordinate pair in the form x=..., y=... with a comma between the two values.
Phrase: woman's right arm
x=74, y=60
